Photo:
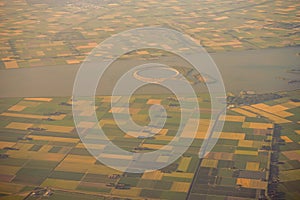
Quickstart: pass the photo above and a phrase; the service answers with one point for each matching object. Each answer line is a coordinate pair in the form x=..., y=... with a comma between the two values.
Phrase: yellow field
x=244, y=112
x=271, y=117
x=261, y=106
x=63, y=184
x=38, y=99
x=290, y=104
x=164, y=137
x=245, y=143
x=180, y=187
x=132, y=192
x=252, y=166
x=58, y=117
x=220, y=18
x=59, y=129
x=92, y=146
x=233, y=118
x=283, y=114
x=155, y=175
x=154, y=101
x=232, y=136
x=255, y=125
x=11, y=65
x=117, y=110
x=55, y=139
x=152, y=146
x=73, y=61
x=203, y=123
x=203, y=126
x=6, y=144
x=19, y=126
x=36, y=155
x=277, y=109
x=244, y=152
x=17, y=108
x=252, y=183
x=184, y=163
x=142, y=52
x=200, y=135
x=246, y=125
x=209, y=163
x=7, y=114
x=108, y=99
x=23, y=115
x=286, y=139
x=116, y=156
x=163, y=131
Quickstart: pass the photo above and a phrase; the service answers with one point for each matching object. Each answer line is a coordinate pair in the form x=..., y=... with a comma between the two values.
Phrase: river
x=263, y=70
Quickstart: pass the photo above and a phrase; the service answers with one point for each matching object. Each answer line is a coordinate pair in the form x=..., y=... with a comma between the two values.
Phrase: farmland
x=57, y=33
x=45, y=154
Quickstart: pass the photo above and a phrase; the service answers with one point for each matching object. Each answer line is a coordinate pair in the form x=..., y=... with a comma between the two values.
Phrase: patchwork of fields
x=52, y=32
x=43, y=149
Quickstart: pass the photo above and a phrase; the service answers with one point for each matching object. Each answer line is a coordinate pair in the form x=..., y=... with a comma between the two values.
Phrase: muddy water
x=264, y=70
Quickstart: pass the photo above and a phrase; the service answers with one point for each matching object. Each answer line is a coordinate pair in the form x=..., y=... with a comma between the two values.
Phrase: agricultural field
x=289, y=145
x=44, y=151
x=51, y=32
x=241, y=164
x=238, y=164
x=284, y=112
